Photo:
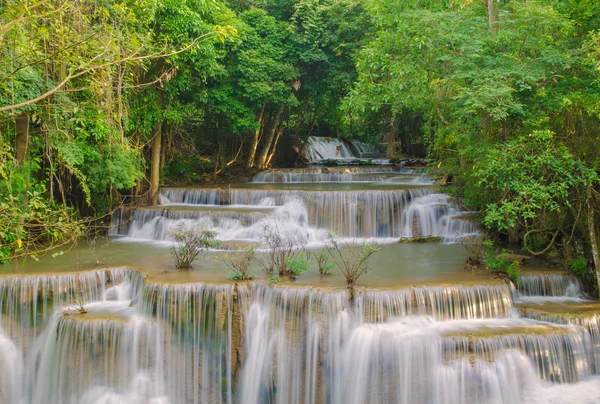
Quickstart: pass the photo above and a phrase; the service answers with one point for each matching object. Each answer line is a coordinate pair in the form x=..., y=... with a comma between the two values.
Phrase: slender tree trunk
x=262, y=158
x=391, y=145
x=155, y=164
x=255, y=139
x=22, y=130
x=593, y=239
x=166, y=132
x=274, y=146
x=492, y=17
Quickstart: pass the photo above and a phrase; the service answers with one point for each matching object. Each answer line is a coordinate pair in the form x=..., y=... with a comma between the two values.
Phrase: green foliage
x=186, y=169
x=499, y=262
x=533, y=183
x=284, y=255
x=579, y=267
x=529, y=178
x=322, y=257
x=295, y=266
x=350, y=259
x=30, y=222
x=330, y=163
x=189, y=243
x=274, y=278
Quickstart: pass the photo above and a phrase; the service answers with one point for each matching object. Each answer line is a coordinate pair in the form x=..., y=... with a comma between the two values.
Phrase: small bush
x=284, y=256
x=474, y=253
x=274, y=278
x=188, y=244
x=239, y=263
x=351, y=261
x=295, y=266
x=322, y=257
x=499, y=262
x=579, y=266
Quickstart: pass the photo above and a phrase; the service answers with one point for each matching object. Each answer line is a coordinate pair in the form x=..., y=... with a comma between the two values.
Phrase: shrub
x=322, y=257
x=579, y=266
x=284, y=255
x=239, y=263
x=352, y=261
x=474, y=252
x=188, y=244
x=295, y=266
x=499, y=262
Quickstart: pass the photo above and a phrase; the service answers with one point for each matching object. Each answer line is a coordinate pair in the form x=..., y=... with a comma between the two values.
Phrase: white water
x=192, y=343
x=325, y=148
x=304, y=215
x=166, y=344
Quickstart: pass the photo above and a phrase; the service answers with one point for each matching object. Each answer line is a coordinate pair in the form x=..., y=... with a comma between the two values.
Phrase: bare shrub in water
x=239, y=263
x=188, y=244
x=322, y=257
x=474, y=252
x=352, y=260
x=73, y=299
x=286, y=255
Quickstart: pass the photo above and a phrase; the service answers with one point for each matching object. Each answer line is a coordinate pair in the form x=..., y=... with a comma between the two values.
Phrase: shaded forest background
x=102, y=101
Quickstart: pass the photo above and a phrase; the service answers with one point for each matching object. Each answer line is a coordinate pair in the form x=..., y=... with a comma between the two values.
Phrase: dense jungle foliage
x=102, y=101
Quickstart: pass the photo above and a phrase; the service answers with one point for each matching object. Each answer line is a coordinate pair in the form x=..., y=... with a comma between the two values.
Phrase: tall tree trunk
x=22, y=130
x=274, y=146
x=492, y=17
x=264, y=153
x=391, y=145
x=255, y=139
x=155, y=165
x=166, y=133
x=391, y=141
x=593, y=239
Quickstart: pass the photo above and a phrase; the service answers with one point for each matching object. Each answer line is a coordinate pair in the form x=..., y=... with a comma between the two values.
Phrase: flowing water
x=319, y=149
x=419, y=329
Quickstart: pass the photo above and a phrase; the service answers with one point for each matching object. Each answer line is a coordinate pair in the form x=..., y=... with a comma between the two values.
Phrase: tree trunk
x=155, y=165
x=262, y=159
x=593, y=239
x=22, y=130
x=391, y=145
x=255, y=139
x=492, y=17
x=274, y=146
x=166, y=132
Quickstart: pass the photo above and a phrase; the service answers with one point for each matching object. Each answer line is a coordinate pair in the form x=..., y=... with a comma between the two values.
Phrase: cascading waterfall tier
x=307, y=215
x=396, y=175
x=325, y=148
x=549, y=285
x=146, y=342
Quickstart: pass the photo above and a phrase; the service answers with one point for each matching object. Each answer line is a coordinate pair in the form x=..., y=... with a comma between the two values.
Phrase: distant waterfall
x=326, y=148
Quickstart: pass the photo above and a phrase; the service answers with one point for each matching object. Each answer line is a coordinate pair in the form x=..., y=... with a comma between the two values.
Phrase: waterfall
x=242, y=214
x=144, y=342
x=326, y=148
x=349, y=174
x=194, y=323
x=554, y=285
